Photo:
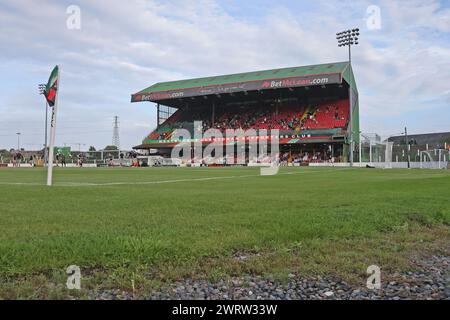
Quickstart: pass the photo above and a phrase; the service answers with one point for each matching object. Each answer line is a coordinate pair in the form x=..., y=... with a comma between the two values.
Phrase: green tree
x=110, y=148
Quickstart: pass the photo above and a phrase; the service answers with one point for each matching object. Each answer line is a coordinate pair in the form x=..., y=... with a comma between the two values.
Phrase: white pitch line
x=149, y=182
x=22, y=184
x=183, y=180
x=89, y=184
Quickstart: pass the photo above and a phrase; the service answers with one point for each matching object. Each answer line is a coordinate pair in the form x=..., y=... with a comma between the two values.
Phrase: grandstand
x=424, y=141
x=309, y=105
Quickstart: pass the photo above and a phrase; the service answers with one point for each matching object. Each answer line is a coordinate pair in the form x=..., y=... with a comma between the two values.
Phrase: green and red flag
x=52, y=87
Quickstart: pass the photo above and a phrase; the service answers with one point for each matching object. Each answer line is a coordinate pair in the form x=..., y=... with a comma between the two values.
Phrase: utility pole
x=115, y=138
x=407, y=147
x=157, y=115
x=360, y=149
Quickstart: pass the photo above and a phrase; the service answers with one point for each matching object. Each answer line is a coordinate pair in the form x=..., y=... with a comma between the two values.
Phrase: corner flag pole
x=53, y=133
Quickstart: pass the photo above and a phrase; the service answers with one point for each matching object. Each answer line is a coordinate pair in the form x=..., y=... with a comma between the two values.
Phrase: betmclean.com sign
x=240, y=87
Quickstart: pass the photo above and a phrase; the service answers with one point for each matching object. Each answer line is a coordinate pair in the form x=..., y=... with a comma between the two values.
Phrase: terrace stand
x=210, y=97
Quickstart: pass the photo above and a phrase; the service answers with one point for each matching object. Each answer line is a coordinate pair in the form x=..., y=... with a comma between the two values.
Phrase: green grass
x=119, y=223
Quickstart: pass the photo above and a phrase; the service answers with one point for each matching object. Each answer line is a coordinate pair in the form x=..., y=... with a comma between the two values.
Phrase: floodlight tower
x=18, y=141
x=115, y=138
x=349, y=38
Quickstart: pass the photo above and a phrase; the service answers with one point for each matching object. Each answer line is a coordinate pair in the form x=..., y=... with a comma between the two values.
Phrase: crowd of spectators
x=326, y=115
x=305, y=157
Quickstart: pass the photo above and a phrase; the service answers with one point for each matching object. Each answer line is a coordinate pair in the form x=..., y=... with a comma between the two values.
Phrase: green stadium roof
x=196, y=85
x=249, y=76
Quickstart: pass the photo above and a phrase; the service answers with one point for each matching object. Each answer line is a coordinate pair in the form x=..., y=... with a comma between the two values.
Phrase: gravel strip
x=430, y=282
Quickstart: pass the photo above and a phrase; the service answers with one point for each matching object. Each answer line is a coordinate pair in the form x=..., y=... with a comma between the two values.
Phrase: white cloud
x=123, y=47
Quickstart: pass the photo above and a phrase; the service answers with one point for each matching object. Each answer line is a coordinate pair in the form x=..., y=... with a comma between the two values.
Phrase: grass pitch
x=152, y=225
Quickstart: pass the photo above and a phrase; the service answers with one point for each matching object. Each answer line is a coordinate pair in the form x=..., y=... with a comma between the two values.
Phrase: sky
x=109, y=49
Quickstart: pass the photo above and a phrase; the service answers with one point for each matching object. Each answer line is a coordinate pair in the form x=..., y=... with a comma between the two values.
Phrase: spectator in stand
x=14, y=160
x=18, y=158
x=121, y=156
x=63, y=160
x=305, y=157
x=80, y=160
x=57, y=159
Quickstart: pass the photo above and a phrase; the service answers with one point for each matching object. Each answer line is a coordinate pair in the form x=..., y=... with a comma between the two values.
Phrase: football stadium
x=204, y=227
x=253, y=184
x=309, y=106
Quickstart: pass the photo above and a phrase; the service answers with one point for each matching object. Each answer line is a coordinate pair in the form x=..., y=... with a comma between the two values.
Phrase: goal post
x=376, y=152
x=388, y=154
x=434, y=159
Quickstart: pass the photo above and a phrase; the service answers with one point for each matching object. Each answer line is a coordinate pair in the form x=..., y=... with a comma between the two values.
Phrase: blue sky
x=402, y=68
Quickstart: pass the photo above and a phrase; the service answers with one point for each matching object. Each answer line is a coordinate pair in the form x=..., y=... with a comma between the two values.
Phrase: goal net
x=434, y=159
x=375, y=151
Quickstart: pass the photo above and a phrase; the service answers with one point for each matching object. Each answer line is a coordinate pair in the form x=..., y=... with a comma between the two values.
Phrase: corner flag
x=51, y=95
x=52, y=87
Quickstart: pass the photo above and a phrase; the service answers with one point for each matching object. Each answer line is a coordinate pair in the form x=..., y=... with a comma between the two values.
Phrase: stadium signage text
x=234, y=139
x=239, y=87
x=294, y=83
x=161, y=96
